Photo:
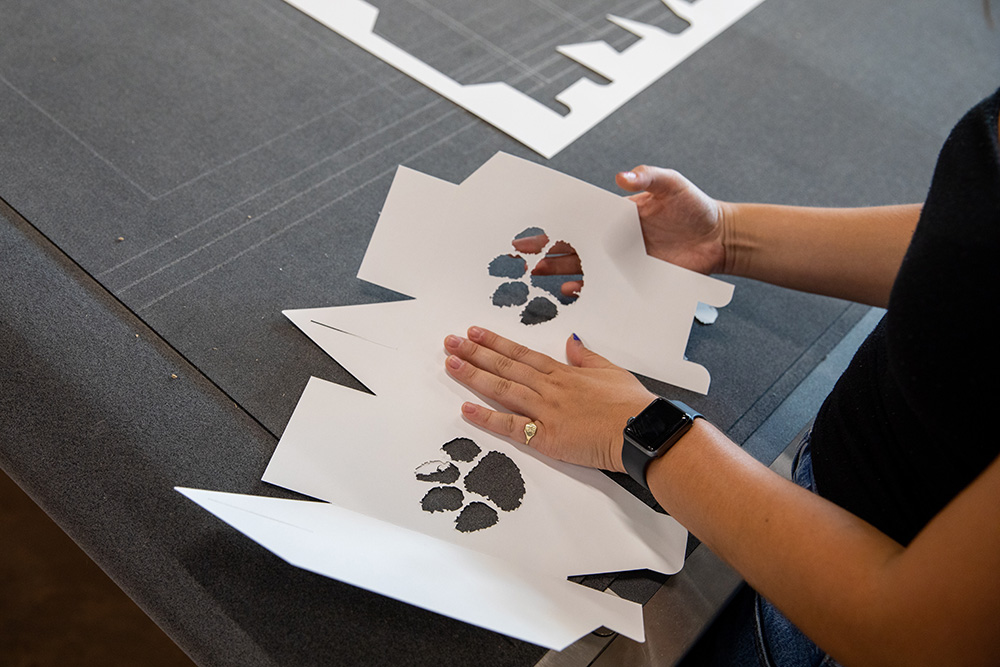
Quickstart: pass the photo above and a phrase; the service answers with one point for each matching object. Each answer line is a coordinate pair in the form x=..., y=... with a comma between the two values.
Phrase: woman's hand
x=847, y=253
x=680, y=223
x=579, y=409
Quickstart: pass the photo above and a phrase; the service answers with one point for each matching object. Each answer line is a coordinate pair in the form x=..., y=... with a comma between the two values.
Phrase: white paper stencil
x=480, y=589
x=435, y=240
x=532, y=123
x=409, y=481
x=363, y=452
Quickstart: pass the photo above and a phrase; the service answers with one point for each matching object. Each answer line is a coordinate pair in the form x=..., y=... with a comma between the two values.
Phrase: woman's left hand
x=579, y=409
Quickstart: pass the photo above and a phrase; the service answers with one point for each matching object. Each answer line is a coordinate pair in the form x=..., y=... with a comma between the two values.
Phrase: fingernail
x=577, y=338
x=469, y=408
x=629, y=175
x=452, y=341
x=475, y=333
x=454, y=362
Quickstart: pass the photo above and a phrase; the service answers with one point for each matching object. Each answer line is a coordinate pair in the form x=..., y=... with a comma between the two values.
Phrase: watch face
x=656, y=425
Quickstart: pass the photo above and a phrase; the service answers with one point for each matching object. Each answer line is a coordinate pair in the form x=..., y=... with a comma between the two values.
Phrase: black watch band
x=652, y=433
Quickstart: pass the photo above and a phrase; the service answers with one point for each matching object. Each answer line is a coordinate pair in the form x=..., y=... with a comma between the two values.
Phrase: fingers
x=571, y=287
x=629, y=180
x=531, y=244
x=561, y=258
x=511, y=350
x=579, y=355
x=488, y=360
x=508, y=393
x=502, y=423
x=561, y=248
x=558, y=265
x=498, y=368
x=655, y=180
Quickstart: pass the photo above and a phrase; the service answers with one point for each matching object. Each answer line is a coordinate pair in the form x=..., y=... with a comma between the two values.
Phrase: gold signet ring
x=530, y=429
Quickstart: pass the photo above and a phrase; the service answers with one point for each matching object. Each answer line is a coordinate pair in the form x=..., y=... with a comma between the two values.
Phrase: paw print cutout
x=556, y=276
x=494, y=482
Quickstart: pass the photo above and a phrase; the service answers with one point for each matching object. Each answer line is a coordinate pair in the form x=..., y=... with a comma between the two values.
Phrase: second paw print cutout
x=494, y=478
x=556, y=276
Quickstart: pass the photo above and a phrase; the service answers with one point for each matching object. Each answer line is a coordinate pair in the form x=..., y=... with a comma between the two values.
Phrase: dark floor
x=57, y=607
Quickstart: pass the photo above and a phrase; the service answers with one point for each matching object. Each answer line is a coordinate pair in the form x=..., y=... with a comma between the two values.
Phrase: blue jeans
x=778, y=643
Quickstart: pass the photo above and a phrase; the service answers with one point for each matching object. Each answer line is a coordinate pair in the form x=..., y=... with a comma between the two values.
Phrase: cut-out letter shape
x=527, y=120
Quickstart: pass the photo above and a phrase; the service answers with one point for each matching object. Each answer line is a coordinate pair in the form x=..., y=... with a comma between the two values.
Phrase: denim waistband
x=802, y=467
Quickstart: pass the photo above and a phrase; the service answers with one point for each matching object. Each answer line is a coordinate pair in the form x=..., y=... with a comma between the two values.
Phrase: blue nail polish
x=576, y=338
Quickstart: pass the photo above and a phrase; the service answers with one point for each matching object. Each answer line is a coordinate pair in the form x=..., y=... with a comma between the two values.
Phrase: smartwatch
x=652, y=433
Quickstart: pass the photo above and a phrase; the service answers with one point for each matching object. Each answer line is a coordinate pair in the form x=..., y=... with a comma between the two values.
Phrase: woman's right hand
x=680, y=223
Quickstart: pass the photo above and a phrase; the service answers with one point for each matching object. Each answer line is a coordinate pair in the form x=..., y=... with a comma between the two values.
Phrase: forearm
x=849, y=587
x=853, y=590
x=791, y=546
x=851, y=254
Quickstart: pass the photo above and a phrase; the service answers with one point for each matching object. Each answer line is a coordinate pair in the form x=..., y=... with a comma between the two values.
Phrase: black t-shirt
x=913, y=420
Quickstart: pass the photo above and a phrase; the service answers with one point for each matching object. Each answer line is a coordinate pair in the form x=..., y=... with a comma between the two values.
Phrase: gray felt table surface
x=176, y=174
